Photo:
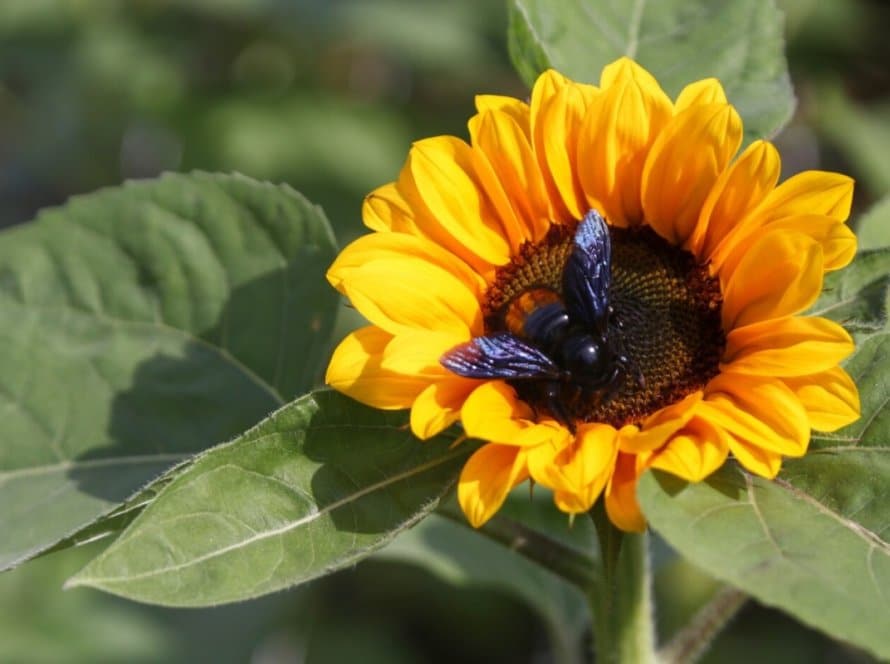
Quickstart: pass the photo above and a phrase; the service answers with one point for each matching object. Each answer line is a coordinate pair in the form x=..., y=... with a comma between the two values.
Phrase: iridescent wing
x=501, y=355
x=588, y=273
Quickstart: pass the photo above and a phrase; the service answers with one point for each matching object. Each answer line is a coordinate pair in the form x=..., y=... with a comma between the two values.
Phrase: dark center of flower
x=666, y=311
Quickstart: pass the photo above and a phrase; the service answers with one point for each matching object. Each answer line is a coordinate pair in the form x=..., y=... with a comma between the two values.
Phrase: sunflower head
x=598, y=283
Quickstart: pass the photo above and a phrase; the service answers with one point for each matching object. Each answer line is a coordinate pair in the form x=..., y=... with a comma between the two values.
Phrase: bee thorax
x=584, y=356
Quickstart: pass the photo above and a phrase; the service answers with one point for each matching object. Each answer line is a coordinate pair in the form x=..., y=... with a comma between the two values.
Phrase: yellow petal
x=660, y=426
x=355, y=370
x=578, y=466
x=455, y=211
x=574, y=503
x=544, y=461
x=738, y=190
x=418, y=353
x=779, y=276
x=438, y=406
x=387, y=247
x=594, y=457
x=810, y=192
x=694, y=453
x=837, y=240
x=548, y=84
x=515, y=108
x=407, y=294
x=502, y=144
x=587, y=469
x=756, y=459
x=621, y=496
x=494, y=412
x=757, y=410
x=556, y=122
x=624, y=69
x=815, y=203
x=706, y=91
x=621, y=125
x=385, y=210
x=829, y=397
x=683, y=165
x=494, y=400
x=487, y=478
x=791, y=346
x=516, y=230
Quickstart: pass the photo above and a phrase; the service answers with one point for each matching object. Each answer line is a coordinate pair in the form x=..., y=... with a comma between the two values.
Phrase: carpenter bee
x=559, y=346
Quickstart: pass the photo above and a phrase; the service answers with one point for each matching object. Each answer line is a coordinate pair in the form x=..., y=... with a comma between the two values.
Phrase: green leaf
x=317, y=486
x=119, y=518
x=873, y=228
x=858, y=295
x=803, y=546
x=144, y=323
x=815, y=540
x=463, y=557
x=870, y=369
x=679, y=41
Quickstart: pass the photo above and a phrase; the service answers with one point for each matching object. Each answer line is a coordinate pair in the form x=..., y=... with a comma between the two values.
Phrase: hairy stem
x=623, y=626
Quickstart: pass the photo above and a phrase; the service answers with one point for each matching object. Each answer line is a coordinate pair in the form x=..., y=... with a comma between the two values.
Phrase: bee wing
x=501, y=355
x=588, y=273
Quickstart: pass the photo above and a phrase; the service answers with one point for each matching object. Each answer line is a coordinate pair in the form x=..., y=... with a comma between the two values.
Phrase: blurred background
x=327, y=95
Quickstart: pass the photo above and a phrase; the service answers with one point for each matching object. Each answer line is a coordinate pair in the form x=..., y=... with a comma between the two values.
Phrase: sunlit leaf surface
x=857, y=296
x=679, y=41
x=795, y=542
x=315, y=487
x=815, y=541
x=144, y=323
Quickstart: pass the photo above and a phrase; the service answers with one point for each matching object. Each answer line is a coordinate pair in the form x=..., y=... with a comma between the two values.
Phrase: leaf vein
x=66, y=466
x=633, y=29
x=846, y=523
x=307, y=519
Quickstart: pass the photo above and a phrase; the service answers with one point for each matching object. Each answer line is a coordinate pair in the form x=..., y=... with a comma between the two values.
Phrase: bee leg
x=553, y=395
x=615, y=383
x=630, y=366
x=640, y=378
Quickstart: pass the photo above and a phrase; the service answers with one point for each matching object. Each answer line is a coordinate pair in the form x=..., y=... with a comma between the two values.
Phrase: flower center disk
x=666, y=310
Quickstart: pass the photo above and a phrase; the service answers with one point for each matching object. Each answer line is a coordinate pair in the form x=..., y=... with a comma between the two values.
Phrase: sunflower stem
x=621, y=605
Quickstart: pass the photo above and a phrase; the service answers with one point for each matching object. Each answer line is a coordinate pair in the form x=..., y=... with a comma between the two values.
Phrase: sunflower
x=711, y=263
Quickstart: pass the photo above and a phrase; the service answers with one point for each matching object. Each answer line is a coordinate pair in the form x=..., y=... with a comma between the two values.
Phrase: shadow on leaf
x=194, y=392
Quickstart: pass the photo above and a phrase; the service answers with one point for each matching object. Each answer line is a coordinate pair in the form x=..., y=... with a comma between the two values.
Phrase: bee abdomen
x=537, y=314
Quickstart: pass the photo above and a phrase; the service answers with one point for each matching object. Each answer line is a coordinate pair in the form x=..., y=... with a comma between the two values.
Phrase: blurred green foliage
x=327, y=95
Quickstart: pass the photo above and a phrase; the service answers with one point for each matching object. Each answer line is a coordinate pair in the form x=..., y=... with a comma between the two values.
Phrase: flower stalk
x=621, y=606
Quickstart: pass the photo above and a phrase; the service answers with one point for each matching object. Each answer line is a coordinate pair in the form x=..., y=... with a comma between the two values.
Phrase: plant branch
x=572, y=565
x=691, y=642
